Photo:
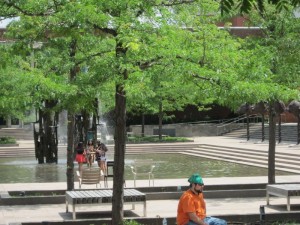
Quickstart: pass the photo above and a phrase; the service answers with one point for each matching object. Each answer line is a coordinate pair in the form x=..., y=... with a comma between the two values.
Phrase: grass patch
x=7, y=140
x=155, y=139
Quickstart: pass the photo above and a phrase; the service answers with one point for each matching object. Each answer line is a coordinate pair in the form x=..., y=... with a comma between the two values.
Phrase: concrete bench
x=78, y=197
x=283, y=190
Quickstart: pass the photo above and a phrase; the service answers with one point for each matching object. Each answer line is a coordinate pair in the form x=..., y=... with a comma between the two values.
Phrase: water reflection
x=28, y=170
x=167, y=166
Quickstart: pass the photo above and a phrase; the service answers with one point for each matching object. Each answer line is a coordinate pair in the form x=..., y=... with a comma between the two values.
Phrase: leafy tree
x=59, y=57
x=282, y=80
x=115, y=42
x=278, y=56
x=245, y=6
x=124, y=24
x=280, y=30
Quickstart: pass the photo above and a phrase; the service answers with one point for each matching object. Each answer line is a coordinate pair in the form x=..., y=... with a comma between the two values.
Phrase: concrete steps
x=17, y=133
x=287, y=162
x=159, y=148
x=24, y=152
x=288, y=132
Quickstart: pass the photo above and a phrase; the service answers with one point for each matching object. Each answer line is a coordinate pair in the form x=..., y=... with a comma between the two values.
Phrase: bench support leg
x=288, y=205
x=145, y=209
x=134, y=181
x=74, y=212
x=67, y=206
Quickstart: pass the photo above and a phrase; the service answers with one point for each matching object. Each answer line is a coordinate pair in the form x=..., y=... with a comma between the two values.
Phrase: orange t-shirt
x=190, y=202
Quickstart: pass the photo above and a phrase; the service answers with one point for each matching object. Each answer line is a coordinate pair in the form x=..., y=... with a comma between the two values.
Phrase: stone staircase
x=25, y=152
x=166, y=148
x=285, y=161
x=288, y=132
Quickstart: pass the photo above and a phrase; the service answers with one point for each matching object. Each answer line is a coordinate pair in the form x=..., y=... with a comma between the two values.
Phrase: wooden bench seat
x=77, y=197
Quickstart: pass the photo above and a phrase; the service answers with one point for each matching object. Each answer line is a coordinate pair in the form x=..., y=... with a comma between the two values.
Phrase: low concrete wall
x=183, y=130
x=152, y=193
x=245, y=219
x=9, y=145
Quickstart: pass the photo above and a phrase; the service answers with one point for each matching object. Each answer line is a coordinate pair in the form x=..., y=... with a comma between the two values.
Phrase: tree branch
x=178, y=2
x=210, y=80
x=91, y=56
x=148, y=64
x=105, y=30
x=47, y=12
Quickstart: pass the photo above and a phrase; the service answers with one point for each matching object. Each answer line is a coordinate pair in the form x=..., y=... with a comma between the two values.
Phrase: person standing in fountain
x=192, y=207
x=101, y=156
x=80, y=156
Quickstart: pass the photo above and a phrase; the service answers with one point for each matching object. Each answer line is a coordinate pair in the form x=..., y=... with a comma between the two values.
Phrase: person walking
x=101, y=157
x=192, y=207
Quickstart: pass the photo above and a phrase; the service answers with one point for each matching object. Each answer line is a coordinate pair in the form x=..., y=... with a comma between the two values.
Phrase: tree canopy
x=245, y=6
x=145, y=54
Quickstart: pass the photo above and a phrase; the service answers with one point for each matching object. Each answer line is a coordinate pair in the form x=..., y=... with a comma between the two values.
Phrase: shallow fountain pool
x=15, y=170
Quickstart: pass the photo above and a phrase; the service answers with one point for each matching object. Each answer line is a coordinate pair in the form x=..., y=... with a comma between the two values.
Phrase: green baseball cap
x=195, y=179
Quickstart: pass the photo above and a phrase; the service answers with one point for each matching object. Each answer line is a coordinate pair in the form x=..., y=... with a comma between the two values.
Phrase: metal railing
x=236, y=123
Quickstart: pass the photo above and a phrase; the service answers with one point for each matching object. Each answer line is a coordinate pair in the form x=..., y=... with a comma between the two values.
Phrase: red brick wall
x=288, y=118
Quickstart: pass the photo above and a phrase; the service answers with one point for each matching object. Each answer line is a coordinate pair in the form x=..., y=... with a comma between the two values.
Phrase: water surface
x=167, y=166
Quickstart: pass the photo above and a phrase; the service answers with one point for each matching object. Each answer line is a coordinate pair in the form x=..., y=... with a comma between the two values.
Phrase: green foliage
x=245, y=6
x=131, y=222
x=279, y=52
x=186, y=61
x=7, y=140
x=155, y=139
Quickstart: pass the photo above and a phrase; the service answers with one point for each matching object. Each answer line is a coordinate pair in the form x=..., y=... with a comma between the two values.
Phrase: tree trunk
x=70, y=151
x=120, y=143
x=40, y=147
x=94, y=122
x=279, y=129
x=248, y=129
x=50, y=128
x=119, y=156
x=71, y=125
x=160, y=118
x=143, y=125
x=272, y=145
x=37, y=142
x=85, y=127
x=78, y=132
x=262, y=128
x=298, y=128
